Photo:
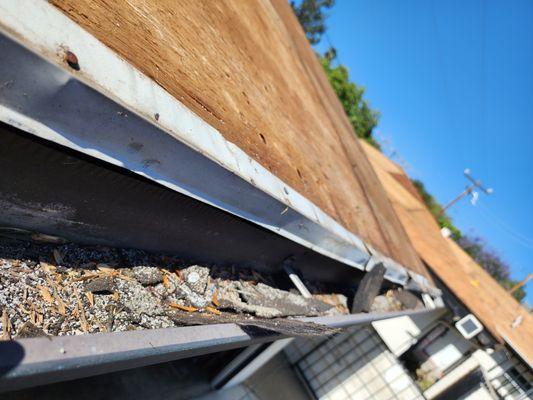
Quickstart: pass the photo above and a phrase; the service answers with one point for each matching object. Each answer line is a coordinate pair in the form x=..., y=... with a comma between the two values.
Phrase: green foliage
x=312, y=17
x=519, y=294
x=361, y=116
x=435, y=209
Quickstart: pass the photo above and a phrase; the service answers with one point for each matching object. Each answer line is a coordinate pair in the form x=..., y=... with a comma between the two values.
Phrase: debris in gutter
x=29, y=330
x=51, y=289
x=396, y=300
x=295, y=279
x=368, y=289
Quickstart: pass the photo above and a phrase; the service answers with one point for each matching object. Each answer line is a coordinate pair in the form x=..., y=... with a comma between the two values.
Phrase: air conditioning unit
x=469, y=326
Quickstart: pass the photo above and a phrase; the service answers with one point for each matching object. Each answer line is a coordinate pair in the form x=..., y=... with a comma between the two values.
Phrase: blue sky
x=453, y=81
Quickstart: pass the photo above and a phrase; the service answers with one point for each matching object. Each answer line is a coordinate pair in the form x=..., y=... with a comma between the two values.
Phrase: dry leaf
x=116, y=296
x=23, y=310
x=90, y=298
x=165, y=281
x=183, y=308
x=213, y=310
x=102, y=327
x=46, y=295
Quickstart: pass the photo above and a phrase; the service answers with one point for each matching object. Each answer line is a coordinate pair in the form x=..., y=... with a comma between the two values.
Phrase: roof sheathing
x=248, y=70
x=480, y=293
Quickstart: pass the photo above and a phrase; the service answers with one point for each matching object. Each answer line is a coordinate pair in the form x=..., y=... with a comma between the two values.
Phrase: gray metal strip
x=31, y=362
x=45, y=100
x=42, y=98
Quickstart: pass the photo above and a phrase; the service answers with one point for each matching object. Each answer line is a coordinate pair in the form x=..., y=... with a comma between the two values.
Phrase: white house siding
x=353, y=365
x=500, y=370
x=399, y=334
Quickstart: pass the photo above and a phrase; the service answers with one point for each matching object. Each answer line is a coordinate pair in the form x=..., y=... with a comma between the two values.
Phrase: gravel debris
x=196, y=277
x=103, y=285
x=28, y=330
x=55, y=289
x=147, y=275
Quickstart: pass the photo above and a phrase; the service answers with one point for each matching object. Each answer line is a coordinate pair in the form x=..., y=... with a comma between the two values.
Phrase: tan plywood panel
x=485, y=298
x=246, y=68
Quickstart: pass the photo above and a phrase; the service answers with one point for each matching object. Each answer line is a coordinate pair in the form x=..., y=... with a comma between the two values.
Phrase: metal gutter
x=31, y=362
x=153, y=134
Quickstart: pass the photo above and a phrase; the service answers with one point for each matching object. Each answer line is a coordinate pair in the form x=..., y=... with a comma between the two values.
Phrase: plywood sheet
x=247, y=69
x=485, y=298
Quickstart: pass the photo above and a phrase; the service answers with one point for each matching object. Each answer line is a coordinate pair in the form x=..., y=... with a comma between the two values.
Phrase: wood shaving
x=213, y=310
x=81, y=314
x=90, y=298
x=183, y=308
x=61, y=307
x=105, y=268
x=214, y=298
x=47, y=267
x=6, y=326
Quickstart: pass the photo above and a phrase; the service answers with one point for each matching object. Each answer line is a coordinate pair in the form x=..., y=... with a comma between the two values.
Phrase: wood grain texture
x=246, y=68
x=485, y=298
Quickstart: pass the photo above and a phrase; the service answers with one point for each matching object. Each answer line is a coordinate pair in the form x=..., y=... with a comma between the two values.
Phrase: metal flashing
x=31, y=362
x=153, y=134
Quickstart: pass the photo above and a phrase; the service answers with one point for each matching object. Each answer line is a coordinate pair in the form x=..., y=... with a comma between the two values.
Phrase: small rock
x=147, y=275
x=384, y=303
x=138, y=299
x=100, y=285
x=408, y=300
x=28, y=330
x=196, y=277
x=185, y=292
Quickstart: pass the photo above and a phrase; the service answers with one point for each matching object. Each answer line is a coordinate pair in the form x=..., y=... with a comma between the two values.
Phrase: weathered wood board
x=247, y=69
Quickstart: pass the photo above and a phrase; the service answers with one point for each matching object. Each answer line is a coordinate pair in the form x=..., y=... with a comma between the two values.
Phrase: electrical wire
x=515, y=235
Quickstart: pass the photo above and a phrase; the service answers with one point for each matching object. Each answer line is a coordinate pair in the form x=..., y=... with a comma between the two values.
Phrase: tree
x=435, y=209
x=362, y=117
x=312, y=17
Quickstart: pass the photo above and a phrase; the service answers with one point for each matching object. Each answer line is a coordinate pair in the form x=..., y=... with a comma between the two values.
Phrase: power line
x=515, y=235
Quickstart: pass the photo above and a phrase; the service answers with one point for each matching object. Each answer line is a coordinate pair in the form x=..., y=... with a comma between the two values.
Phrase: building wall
x=497, y=366
x=353, y=365
x=401, y=333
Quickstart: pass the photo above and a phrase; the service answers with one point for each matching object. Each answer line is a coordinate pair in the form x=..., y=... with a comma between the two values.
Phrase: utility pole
x=475, y=184
x=520, y=284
